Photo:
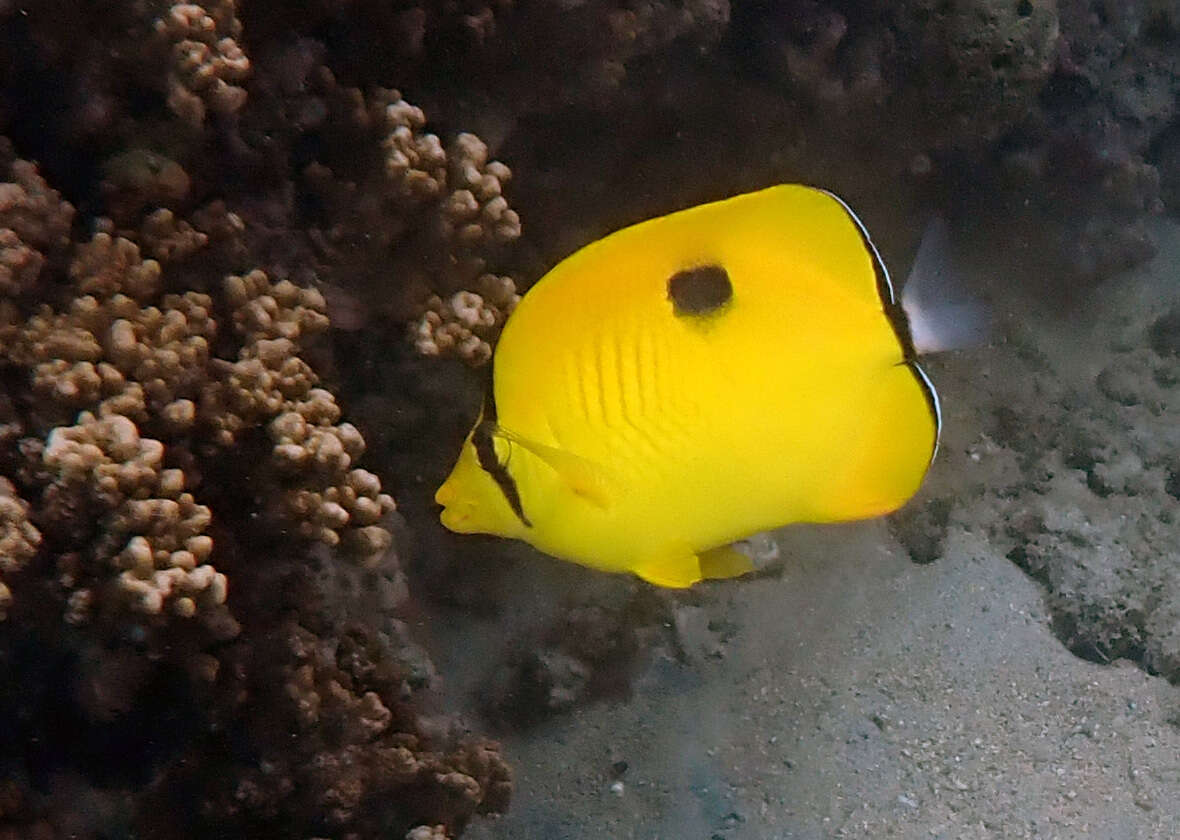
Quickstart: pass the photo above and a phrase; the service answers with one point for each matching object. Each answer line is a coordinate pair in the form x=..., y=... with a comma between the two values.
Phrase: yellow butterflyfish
x=697, y=378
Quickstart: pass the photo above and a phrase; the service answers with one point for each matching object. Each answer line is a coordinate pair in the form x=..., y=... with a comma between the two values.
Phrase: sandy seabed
x=857, y=693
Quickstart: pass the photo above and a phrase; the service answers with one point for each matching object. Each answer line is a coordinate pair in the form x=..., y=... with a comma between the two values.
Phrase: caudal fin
x=942, y=312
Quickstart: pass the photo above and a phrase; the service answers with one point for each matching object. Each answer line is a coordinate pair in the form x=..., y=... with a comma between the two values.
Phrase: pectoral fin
x=584, y=477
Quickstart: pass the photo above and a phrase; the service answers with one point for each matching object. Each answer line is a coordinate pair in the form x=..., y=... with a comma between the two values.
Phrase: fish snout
x=445, y=494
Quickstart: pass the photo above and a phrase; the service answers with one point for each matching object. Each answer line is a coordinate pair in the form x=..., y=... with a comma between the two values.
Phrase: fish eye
x=700, y=290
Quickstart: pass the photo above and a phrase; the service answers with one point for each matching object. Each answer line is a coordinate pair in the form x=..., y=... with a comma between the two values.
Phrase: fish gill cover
x=214, y=218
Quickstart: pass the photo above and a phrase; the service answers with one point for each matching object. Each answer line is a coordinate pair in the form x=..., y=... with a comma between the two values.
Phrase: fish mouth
x=454, y=516
x=457, y=518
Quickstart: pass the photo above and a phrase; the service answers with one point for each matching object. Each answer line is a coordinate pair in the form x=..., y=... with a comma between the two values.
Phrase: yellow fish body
x=692, y=380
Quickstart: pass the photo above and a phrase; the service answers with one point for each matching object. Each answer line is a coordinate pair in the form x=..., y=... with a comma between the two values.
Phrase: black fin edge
x=898, y=320
x=931, y=401
x=890, y=303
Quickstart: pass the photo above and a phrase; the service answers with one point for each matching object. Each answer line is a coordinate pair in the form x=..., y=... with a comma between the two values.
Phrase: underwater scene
x=578, y=419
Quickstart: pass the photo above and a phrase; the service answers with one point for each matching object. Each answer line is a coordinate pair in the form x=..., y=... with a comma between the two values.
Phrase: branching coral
x=33, y=220
x=321, y=494
x=421, y=215
x=151, y=550
x=207, y=62
x=175, y=465
x=19, y=538
x=414, y=160
x=466, y=324
x=108, y=265
x=262, y=310
x=388, y=212
x=116, y=356
x=169, y=239
x=476, y=216
x=29, y=208
x=20, y=265
x=121, y=401
x=330, y=501
x=351, y=755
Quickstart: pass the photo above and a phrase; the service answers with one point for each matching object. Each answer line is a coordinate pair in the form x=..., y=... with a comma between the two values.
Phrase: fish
x=703, y=376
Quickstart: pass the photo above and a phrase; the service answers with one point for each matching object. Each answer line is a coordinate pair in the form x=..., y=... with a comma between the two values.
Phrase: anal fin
x=724, y=562
x=681, y=568
x=675, y=569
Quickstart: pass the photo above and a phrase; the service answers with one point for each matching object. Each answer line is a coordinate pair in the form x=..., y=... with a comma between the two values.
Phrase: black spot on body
x=699, y=291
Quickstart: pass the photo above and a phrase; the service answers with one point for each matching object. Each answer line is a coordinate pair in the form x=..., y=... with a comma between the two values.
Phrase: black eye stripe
x=700, y=290
x=485, y=452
